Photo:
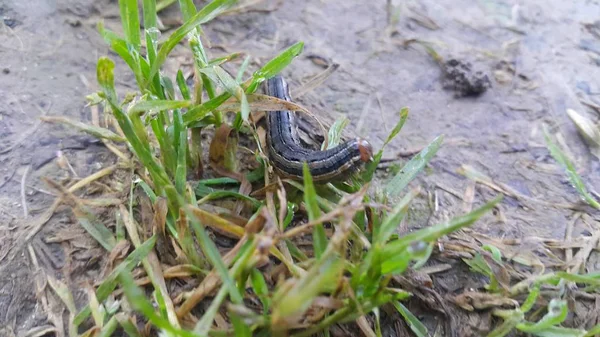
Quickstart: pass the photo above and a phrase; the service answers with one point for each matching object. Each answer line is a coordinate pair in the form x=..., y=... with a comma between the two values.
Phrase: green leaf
x=429, y=234
x=95, y=228
x=412, y=168
x=183, y=88
x=137, y=299
x=312, y=207
x=259, y=285
x=188, y=9
x=418, y=328
x=370, y=168
x=335, y=132
x=275, y=66
x=557, y=313
x=383, y=232
x=209, y=12
x=107, y=286
x=575, y=179
x=90, y=129
x=106, y=80
x=131, y=22
x=557, y=331
x=511, y=319
x=212, y=253
x=200, y=111
x=158, y=105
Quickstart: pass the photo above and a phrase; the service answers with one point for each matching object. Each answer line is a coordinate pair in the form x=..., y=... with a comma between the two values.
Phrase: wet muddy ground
x=535, y=59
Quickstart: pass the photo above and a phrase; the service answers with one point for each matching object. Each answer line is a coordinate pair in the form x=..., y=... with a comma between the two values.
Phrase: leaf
x=370, y=167
x=107, y=286
x=275, y=66
x=383, y=232
x=335, y=132
x=212, y=253
x=223, y=149
x=183, y=87
x=575, y=179
x=312, y=207
x=137, y=299
x=588, y=131
x=131, y=22
x=95, y=228
x=209, y=12
x=158, y=105
x=557, y=313
x=412, y=168
x=433, y=233
x=418, y=328
x=90, y=129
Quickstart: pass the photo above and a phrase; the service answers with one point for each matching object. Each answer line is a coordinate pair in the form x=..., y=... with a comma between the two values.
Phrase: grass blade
x=433, y=233
x=110, y=282
x=418, y=328
x=412, y=168
x=312, y=207
x=575, y=179
x=158, y=105
x=131, y=22
x=209, y=12
x=90, y=129
x=212, y=253
x=335, y=132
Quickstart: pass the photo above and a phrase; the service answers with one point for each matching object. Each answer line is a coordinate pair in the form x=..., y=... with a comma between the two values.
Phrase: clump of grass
x=267, y=283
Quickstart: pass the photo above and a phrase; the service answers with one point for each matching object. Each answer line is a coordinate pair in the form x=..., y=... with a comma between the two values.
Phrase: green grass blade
x=110, y=282
x=312, y=207
x=181, y=144
x=128, y=326
x=209, y=12
x=198, y=112
x=557, y=313
x=109, y=328
x=335, y=132
x=212, y=253
x=383, y=232
x=149, y=12
x=137, y=299
x=259, y=285
x=131, y=22
x=183, y=88
x=167, y=151
x=574, y=178
x=275, y=66
x=412, y=168
x=226, y=194
x=418, y=328
x=433, y=233
x=105, y=73
x=187, y=8
x=510, y=322
x=89, y=129
x=370, y=168
x=95, y=228
x=158, y=105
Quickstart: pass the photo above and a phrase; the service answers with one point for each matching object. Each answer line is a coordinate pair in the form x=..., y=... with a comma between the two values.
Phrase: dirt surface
x=538, y=55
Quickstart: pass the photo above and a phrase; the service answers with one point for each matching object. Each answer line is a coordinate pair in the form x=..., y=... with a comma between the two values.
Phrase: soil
x=538, y=57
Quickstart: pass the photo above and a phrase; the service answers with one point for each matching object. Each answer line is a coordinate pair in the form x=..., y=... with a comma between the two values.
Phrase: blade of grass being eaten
x=335, y=133
x=575, y=179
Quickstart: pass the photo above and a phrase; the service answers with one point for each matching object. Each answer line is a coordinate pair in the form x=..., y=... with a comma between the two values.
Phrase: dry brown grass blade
x=365, y=327
x=209, y=284
x=316, y=81
x=218, y=223
x=583, y=254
